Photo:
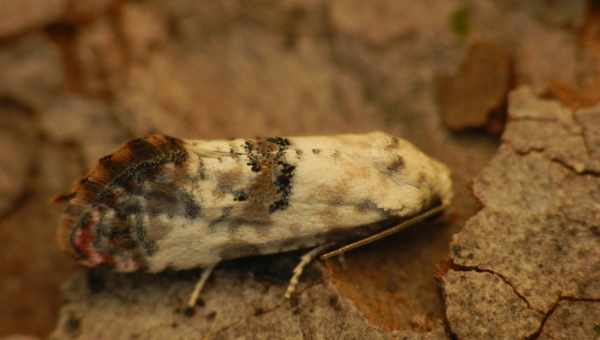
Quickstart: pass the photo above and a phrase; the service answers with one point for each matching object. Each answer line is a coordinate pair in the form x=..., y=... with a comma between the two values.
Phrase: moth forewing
x=160, y=202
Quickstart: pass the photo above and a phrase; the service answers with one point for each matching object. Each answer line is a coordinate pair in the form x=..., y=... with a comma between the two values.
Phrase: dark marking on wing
x=227, y=181
x=169, y=199
x=282, y=142
x=191, y=208
x=272, y=186
x=161, y=199
x=396, y=165
x=366, y=205
x=240, y=196
x=121, y=237
x=283, y=182
x=253, y=160
x=233, y=153
x=201, y=169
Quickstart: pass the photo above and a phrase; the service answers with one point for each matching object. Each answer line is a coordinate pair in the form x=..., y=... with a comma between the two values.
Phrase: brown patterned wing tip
x=134, y=162
x=136, y=159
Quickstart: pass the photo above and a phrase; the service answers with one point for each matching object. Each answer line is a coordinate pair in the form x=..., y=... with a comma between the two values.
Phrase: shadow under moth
x=165, y=203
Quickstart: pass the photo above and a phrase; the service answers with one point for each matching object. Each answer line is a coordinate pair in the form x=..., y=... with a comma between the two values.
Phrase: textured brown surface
x=81, y=77
x=32, y=266
x=253, y=307
x=482, y=306
x=21, y=16
x=573, y=320
x=468, y=100
x=538, y=230
x=31, y=170
x=18, y=16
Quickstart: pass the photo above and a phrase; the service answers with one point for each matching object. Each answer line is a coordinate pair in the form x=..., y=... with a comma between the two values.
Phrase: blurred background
x=80, y=77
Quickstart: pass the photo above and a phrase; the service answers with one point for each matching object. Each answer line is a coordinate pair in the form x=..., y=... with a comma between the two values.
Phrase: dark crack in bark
x=502, y=277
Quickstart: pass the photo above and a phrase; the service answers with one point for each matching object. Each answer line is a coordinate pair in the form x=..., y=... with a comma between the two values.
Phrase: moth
x=162, y=203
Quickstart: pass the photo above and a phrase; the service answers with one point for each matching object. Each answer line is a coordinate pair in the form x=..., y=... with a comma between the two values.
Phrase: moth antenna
x=384, y=233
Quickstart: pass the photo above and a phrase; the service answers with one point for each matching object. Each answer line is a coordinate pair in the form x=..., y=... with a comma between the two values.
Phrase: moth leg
x=200, y=284
x=304, y=261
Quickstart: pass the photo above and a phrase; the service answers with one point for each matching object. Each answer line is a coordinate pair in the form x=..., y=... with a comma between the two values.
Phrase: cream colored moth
x=165, y=203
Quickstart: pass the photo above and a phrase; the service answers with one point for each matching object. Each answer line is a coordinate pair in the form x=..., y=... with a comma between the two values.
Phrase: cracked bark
x=571, y=319
x=538, y=229
x=480, y=305
x=459, y=268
